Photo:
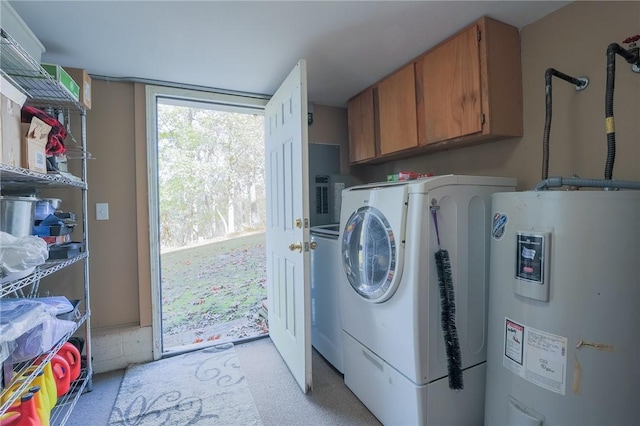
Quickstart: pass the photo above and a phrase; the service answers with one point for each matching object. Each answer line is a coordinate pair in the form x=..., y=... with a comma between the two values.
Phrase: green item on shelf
x=65, y=80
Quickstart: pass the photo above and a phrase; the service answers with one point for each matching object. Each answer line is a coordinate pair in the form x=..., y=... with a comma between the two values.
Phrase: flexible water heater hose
x=631, y=57
x=580, y=83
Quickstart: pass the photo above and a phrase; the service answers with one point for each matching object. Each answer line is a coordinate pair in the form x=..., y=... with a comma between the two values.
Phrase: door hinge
x=479, y=35
x=482, y=119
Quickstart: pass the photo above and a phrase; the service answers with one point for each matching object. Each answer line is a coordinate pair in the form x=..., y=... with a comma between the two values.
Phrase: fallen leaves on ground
x=213, y=284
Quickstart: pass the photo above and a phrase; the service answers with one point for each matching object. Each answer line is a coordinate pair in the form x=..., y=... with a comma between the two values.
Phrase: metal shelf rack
x=40, y=272
x=25, y=73
x=19, y=177
x=44, y=92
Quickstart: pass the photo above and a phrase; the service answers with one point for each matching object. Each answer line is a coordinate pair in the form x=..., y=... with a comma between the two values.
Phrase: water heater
x=564, y=309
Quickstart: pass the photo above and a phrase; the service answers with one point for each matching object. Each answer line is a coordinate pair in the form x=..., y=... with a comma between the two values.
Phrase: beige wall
x=330, y=127
x=111, y=177
x=573, y=40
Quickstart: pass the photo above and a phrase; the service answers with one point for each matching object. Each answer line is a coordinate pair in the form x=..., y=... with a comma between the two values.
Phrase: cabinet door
x=362, y=145
x=449, y=102
x=397, y=111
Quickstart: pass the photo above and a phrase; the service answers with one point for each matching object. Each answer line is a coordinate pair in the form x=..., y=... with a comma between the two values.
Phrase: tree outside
x=211, y=182
x=211, y=174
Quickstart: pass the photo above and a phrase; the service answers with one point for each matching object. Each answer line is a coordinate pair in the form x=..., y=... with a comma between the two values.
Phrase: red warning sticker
x=514, y=341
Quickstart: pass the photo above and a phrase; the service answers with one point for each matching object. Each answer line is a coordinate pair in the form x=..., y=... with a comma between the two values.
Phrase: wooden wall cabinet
x=470, y=86
x=382, y=119
x=361, y=123
x=466, y=90
x=396, y=108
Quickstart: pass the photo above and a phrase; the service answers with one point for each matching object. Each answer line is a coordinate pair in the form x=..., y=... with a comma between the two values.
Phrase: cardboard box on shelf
x=63, y=77
x=11, y=101
x=12, y=92
x=34, y=141
x=82, y=78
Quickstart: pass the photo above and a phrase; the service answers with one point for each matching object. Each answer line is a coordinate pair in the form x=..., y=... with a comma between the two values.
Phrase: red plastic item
x=61, y=374
x=10, y=418
x=69, y=352
x=412, y=175
x=27, y=409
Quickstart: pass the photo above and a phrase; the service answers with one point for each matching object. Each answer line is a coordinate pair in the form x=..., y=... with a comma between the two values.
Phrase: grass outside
x=209, y=285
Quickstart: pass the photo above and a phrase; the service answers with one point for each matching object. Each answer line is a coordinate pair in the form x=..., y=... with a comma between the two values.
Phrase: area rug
x=206, y=387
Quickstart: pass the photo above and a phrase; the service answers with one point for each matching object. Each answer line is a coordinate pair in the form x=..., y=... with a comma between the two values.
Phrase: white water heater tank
x=564, y=309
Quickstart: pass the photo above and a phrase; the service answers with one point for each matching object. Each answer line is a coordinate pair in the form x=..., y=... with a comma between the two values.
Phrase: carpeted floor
x=276, y=395
x=201, y=387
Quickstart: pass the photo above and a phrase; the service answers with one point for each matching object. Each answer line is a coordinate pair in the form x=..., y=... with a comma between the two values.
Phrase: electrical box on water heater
x=564, y=309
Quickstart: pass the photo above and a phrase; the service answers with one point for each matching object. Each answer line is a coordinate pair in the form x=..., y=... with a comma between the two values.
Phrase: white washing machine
x=394, y=352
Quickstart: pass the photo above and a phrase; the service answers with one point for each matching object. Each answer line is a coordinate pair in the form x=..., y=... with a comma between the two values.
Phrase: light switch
x=102, y=211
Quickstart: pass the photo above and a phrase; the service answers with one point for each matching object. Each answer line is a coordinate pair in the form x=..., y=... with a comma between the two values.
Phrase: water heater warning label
x=514, y=342
x=536, y=356
x=530, y=257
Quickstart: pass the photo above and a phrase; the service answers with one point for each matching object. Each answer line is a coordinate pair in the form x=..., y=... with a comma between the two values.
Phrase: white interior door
x=288, y=280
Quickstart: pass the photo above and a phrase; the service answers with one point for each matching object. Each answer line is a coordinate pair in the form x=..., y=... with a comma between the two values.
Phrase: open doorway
x=211, y=210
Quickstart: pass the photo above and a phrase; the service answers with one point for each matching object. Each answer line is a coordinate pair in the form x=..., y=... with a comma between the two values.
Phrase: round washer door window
x=369, y=254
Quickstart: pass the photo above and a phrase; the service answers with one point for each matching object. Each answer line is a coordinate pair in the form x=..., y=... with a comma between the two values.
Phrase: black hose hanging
x=632, y=58
x=580, y=84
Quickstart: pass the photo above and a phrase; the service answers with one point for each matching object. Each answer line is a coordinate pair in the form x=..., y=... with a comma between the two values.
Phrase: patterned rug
x=206, y=387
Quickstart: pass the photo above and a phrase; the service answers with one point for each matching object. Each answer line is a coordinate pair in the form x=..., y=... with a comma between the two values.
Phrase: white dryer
x=394, y=351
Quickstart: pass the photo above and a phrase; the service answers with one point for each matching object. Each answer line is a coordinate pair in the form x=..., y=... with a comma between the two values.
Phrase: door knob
x=294, y=247
x=313, y=245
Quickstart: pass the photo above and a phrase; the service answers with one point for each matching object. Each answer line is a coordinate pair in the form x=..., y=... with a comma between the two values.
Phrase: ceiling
x=250, y=46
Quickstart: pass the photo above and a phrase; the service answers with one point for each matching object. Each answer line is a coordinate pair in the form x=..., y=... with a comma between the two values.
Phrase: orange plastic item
x=42, y=405
x=61, y=374
x=69, y=352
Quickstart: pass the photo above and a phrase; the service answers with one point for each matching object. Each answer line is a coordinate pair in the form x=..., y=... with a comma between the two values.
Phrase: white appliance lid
x=424, y=185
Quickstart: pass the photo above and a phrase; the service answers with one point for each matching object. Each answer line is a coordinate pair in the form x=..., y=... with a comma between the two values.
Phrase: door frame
x=152, y=94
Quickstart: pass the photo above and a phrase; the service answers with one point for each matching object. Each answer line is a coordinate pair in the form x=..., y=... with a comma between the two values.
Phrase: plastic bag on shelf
x=29, y=327
x=18, y=316
x=5, y=350
x=58, y=304
x=40, y=338
x=20, y=254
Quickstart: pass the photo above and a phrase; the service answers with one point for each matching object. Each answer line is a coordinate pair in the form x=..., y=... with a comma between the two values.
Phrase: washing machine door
x=370, y=254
